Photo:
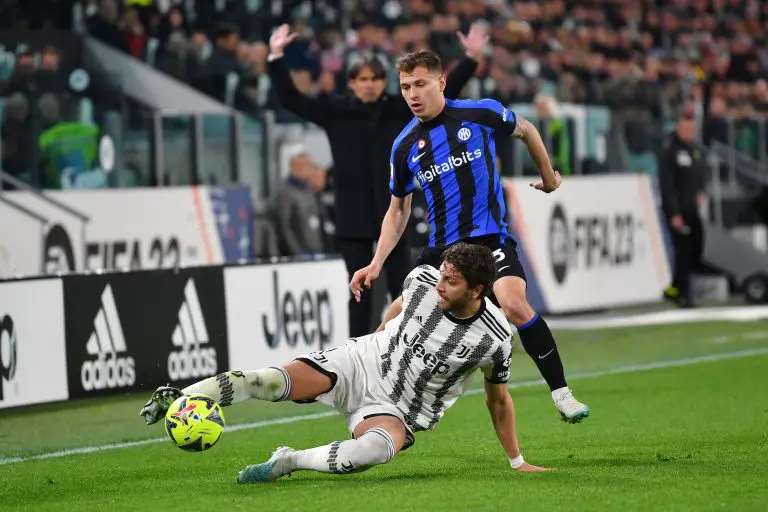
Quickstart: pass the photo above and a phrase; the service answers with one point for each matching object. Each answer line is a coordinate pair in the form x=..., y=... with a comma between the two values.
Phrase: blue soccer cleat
x=278, y=465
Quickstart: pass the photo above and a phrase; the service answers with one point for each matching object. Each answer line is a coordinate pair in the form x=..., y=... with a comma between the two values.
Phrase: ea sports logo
x=464, y=134
x=559, y=243
x=8, y=349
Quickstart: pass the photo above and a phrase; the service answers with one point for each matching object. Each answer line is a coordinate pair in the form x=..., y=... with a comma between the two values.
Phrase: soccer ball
x=194, y=422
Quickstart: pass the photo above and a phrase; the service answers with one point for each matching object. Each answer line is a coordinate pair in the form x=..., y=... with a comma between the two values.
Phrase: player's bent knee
x=272, y=384
x=517, y=311
x=308, y=381
x=373, y=448
x=510, y=293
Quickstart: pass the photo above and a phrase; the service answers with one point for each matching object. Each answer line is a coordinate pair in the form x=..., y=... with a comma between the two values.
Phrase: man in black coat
x=361, y=128
x=682, y=176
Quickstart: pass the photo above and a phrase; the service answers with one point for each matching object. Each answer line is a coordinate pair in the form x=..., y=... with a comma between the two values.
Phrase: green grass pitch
x=679, y=422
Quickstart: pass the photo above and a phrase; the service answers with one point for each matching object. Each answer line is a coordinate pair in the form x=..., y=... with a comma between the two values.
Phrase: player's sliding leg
x=271, y=384
x=540, y=345
x=292, y=381
x=377, y=441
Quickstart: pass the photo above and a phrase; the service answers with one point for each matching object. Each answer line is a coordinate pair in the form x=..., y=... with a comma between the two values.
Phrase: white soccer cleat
x=157, y=406
x=278, y=465
x=571, y=410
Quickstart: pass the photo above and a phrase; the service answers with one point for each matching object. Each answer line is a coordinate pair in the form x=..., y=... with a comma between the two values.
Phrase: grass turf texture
x=681, y=438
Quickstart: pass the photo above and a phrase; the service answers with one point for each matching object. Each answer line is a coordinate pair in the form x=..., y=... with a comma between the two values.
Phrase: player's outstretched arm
x=319, y=112
x=525, y=131
x=392, y=228
x=502, y=411
x=474, y=43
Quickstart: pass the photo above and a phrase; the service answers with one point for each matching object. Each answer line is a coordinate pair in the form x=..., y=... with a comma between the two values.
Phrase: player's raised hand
x=475, y=40
x=549, y=188
x=281, y=38
x=363, y=279
x=530, y=468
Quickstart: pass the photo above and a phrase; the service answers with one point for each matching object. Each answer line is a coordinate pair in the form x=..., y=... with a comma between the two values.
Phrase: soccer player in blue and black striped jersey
x=449, y=148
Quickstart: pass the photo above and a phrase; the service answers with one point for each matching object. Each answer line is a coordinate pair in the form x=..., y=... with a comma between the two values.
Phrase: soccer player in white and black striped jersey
x=392, y=383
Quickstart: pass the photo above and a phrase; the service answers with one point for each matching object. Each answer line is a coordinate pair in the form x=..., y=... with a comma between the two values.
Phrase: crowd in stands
x=647, y=57
x=43, y=130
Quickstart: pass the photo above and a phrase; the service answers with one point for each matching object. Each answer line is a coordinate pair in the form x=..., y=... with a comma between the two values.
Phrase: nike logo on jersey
x=417, y=158
x=545, y=355
x=502, y=268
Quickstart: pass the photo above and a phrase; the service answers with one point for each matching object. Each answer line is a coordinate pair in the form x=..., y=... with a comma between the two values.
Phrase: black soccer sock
x=538, y=342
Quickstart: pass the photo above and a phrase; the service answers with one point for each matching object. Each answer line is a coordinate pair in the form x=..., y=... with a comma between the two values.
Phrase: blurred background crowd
x=646, y=57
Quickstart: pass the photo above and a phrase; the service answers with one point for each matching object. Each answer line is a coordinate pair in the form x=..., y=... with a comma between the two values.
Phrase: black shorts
x=504, y=249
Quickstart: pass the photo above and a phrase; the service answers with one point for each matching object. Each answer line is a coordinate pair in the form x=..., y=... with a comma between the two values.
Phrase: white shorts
x=356, y=392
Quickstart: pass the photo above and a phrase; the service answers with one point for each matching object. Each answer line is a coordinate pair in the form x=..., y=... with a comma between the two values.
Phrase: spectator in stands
x=198, y=50
x=23, y=79
x=50, y=78
x=331, y=56
x=173, y=27
x=370, y=43
x=716, y=127
x=68, y=147
x=760, y=97
x=37, y=15
x=298, y=214
x=134, y=33
x=103, y=26
x=222, y=61
x=174, y=46
x=17, y=141
x=253, y=93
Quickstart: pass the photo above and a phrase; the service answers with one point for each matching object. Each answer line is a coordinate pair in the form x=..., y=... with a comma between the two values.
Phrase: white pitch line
x=751, y=335
x=672, y=363
x=665, y=317
x=755, y=335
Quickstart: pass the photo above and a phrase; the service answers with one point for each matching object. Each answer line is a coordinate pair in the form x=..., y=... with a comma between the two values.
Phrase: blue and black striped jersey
x=453, y=156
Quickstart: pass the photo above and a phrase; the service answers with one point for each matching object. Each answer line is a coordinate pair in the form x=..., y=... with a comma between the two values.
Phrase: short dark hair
x=226, y=29
x=371, y=62
x=475, y=262
x=425, y=58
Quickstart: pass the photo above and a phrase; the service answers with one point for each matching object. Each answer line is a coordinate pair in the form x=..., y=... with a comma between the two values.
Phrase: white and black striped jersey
x=427, y=355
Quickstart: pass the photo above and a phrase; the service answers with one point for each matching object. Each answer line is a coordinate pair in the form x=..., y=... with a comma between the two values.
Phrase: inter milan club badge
x=464, y=134
x=421, y=143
